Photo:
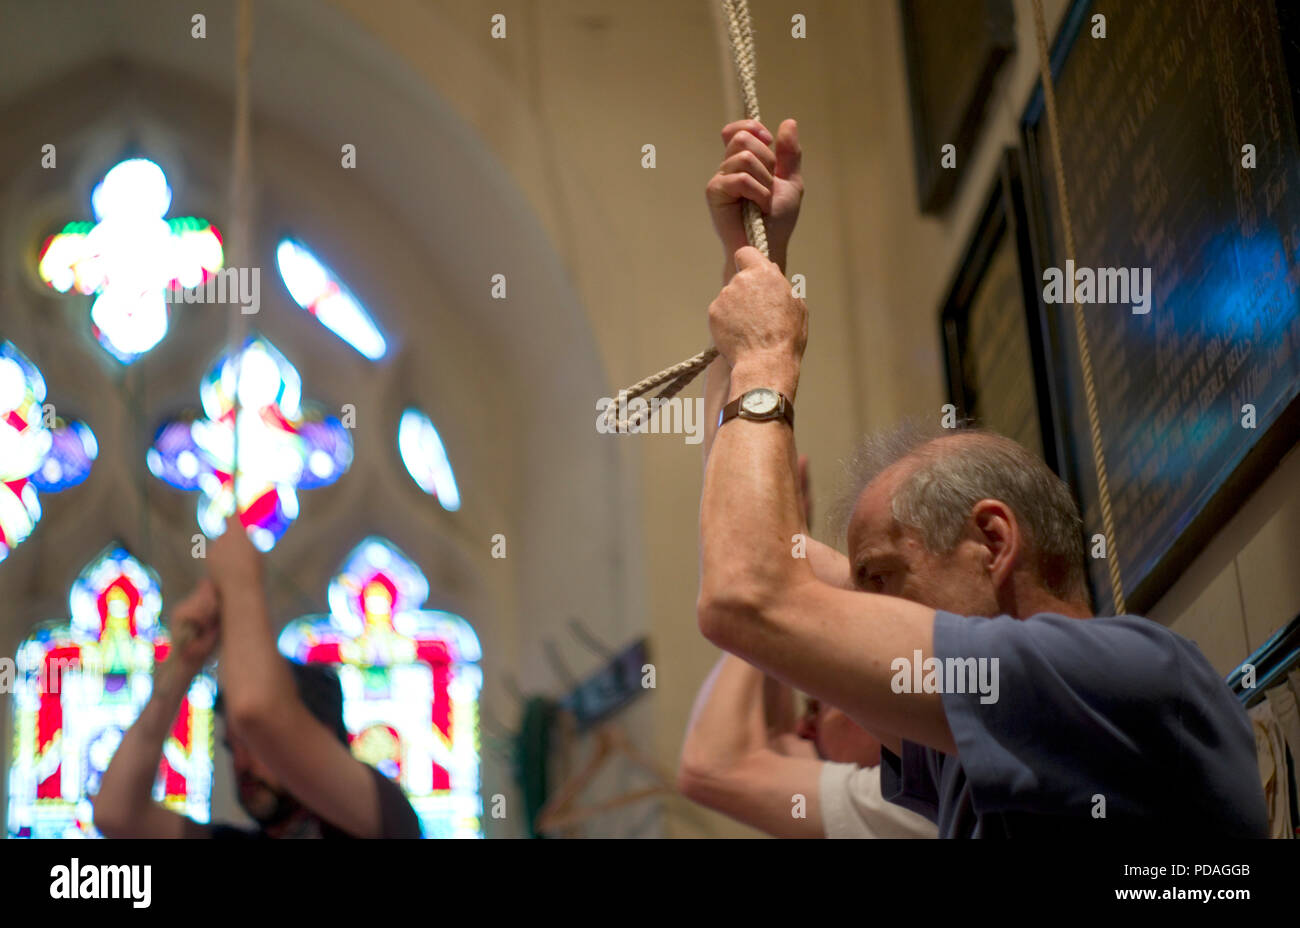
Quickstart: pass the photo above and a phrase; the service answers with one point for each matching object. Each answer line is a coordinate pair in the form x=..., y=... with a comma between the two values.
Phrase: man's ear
x=998, y=531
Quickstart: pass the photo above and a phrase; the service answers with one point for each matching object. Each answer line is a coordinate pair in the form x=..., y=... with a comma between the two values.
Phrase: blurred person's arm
x=733, y=760
x=262, y=700
x=124, y=806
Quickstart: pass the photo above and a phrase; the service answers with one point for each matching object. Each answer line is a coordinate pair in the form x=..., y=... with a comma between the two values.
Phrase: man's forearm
x=727, y=722
x=750, y=509
x=778, y=708
x=127, y=784
x=828, y=565
x=254, y=677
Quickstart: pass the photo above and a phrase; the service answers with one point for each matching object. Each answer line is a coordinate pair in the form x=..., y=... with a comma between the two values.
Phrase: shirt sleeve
x=1066, y=711
x=853, y=806
x=908, y=781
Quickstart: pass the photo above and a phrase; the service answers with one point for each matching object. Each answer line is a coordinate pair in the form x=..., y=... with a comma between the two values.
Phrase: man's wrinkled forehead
x=872, y=522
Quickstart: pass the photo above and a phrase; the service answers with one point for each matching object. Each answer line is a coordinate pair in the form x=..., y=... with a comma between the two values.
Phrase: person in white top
x=746, y=756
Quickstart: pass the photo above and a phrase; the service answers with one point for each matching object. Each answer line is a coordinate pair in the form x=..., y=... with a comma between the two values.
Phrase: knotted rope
x=1080, y=331
x=740, y=36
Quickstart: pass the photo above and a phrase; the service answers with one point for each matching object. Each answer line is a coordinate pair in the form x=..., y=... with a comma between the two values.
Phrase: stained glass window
x=410, y=681
x=426, y=458
x=131, y=257
x=318, y=290
x=282, y=447
x=80, y=685
x=37, y=453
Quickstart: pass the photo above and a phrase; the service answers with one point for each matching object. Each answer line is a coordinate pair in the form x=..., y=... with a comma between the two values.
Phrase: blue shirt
x=1101, y=727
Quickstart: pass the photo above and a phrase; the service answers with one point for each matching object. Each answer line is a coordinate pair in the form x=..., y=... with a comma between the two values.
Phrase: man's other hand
x=750, y=170
x=196, y=626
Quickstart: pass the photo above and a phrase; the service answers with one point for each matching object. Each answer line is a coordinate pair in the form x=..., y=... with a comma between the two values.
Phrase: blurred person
x=294, y=773
x=747, y=757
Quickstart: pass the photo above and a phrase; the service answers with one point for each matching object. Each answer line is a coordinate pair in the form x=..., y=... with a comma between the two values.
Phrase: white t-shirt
x=853, y=807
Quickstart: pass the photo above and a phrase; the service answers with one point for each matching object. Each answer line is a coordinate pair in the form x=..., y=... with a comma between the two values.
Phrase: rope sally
x=740, y=36
x=1080, y=331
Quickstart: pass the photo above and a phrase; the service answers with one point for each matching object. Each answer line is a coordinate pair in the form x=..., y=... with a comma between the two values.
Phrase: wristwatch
x=760, y=405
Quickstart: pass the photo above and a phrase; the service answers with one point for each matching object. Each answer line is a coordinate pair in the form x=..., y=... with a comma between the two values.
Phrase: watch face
x=760, y=402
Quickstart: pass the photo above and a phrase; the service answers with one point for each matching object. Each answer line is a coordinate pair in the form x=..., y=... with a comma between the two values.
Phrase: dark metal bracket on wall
x=610, y=688
x=1272, y=661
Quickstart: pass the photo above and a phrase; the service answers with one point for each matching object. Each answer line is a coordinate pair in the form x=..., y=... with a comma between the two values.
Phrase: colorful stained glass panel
x=319, y=290
x=410, y=680
x=282, y=447
x=80, y=685
x=131, y=258
x=38, y=451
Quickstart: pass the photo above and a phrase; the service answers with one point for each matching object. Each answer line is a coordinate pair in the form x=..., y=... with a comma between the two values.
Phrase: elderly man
x=960, y=631
x=745, y=754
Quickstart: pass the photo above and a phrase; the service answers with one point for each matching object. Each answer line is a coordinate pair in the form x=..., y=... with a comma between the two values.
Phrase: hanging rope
x=237, y=241
x=1080, y=330
x=235, y=247
x=740, y=36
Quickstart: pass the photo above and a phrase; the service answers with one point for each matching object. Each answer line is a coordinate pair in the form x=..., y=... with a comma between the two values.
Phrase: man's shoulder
x=1128, y=633
x=1127, y=655
x=1135, y=637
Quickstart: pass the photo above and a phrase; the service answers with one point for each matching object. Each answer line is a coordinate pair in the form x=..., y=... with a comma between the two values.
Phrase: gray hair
x=954, y=470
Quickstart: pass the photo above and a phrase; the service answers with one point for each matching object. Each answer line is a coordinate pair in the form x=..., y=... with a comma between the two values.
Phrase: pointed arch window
x=410, y=680
x=79, y=686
